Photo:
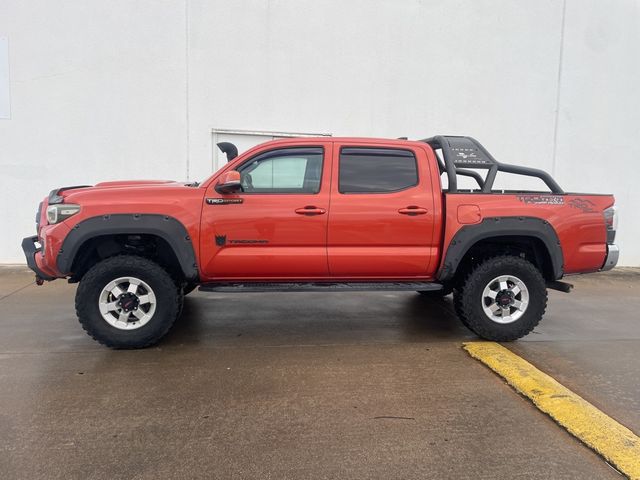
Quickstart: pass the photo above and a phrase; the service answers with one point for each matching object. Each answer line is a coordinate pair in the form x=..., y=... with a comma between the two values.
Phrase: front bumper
x=30, y=250
x=613, y=252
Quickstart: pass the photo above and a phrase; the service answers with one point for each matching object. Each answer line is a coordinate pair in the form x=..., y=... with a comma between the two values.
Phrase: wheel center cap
x=504, y=298
x=128, y=302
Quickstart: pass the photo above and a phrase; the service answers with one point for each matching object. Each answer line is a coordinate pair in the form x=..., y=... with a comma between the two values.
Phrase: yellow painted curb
x=615, y=442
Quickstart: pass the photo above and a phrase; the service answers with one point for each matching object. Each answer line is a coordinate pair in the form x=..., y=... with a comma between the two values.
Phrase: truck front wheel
x=127, y=302
x=502, y=299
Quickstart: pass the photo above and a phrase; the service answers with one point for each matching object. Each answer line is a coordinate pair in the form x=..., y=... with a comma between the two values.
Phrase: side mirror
x=229, y=183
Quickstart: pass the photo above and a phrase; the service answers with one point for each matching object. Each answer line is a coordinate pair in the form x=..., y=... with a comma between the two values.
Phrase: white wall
x=598, y=147
x=105, y=90
x=97, y=92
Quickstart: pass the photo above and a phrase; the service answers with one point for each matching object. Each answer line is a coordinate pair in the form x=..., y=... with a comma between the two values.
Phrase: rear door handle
x=310, y=210
x=413, y=210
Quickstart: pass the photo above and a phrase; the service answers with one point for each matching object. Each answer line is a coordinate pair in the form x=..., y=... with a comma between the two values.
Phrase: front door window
x=293, y=170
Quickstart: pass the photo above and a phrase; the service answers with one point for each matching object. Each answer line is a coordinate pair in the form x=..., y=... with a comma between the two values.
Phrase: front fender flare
x=163, y=226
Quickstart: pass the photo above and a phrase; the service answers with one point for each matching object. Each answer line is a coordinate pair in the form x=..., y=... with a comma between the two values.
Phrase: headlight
x=58, y=213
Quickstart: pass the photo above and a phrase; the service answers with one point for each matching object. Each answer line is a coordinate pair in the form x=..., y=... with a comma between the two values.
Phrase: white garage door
x=245, y=139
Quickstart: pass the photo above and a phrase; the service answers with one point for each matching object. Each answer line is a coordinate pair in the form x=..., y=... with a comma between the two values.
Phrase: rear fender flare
x=490, y=227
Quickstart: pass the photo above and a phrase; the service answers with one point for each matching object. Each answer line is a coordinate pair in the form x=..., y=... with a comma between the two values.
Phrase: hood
x=133, y=183
x=60, y=195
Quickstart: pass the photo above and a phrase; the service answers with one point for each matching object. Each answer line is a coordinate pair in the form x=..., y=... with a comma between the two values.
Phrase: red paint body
x=358, y=236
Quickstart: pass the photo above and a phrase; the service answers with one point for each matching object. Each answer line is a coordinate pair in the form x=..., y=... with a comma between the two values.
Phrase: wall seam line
x=186, y=92
x=558, y=91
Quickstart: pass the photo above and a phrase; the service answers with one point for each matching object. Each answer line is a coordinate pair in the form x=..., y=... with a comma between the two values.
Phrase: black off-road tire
x=180, y=302
x=457, y=306
x=468, y=300
x=168, y=298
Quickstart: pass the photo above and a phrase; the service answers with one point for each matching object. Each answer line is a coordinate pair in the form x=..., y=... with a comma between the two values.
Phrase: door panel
x=389, y=234
x=279, y=229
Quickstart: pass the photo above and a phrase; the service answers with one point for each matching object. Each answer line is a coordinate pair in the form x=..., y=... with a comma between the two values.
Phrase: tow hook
x=39, y=280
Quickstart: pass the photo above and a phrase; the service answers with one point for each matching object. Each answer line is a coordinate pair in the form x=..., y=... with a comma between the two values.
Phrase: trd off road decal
x=223, y=201
x=582, y=204
x=535, y=199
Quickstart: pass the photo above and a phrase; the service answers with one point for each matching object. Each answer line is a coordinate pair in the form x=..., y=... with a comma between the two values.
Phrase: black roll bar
x=461, y=153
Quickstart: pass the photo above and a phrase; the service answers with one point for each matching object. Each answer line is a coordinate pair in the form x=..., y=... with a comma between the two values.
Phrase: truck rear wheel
x=502, y=299
x=127, y=302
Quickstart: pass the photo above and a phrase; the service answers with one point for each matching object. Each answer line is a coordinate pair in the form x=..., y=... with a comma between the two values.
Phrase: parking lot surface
x=306, y=385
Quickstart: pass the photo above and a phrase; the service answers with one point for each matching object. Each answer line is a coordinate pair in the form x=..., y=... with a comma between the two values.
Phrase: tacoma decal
x=248, y=241
x=582, y=204
x=223, y=201
x=221, y=241
x=536, y=199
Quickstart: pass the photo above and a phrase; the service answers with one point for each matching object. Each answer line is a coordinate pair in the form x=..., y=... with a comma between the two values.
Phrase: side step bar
x=560, y=286
x=237, y=287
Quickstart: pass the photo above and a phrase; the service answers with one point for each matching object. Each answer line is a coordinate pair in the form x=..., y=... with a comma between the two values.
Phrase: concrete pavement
x=305, y=385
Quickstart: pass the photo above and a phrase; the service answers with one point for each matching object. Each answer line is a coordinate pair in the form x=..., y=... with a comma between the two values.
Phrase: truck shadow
x=312, y=319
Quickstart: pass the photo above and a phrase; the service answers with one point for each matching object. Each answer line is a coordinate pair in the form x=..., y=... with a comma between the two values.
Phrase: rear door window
x=376, y=170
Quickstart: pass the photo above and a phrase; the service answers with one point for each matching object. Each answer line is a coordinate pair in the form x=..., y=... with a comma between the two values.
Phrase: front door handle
x=310, y=210
x=413, y=210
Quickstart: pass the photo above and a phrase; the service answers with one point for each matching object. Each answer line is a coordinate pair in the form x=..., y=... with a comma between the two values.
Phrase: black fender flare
x=490, y=227
x=163, y=226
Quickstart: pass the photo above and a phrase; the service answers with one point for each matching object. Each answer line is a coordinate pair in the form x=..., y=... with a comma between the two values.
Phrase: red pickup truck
x=323, y=214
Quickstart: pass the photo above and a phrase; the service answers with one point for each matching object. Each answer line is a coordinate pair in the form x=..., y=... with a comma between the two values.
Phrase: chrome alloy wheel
x=127, y=303
x=505, y=299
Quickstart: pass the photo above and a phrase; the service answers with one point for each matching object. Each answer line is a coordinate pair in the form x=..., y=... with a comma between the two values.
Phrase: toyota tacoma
x=327, y=215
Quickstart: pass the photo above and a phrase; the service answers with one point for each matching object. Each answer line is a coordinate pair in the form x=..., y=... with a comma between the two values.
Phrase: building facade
x=103, y=90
